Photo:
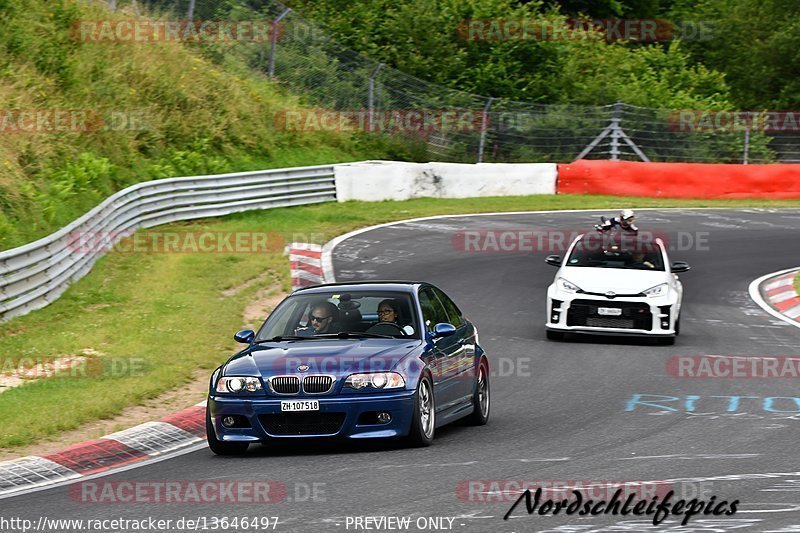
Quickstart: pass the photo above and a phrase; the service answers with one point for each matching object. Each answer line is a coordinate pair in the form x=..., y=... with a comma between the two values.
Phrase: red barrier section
x=679, y=180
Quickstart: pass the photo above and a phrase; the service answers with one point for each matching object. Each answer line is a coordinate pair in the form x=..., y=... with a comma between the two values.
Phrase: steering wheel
x=384, y=324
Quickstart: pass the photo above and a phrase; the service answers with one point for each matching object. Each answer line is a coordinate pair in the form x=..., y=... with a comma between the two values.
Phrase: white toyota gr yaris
x=615, y=285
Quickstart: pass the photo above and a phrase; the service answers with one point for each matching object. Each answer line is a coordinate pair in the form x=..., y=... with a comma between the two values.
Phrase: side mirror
x=554, y=260
x=680, y=266
x=443, y=329
x=245, y=336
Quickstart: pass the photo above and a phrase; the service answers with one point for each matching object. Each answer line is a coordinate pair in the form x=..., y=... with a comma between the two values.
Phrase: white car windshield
x=601, y=252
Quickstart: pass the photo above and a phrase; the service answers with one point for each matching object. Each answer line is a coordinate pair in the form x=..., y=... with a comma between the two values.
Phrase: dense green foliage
x=427, y=39
x=744, y=54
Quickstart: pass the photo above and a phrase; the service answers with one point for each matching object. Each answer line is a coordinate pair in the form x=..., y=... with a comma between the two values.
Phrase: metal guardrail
x=36, y=274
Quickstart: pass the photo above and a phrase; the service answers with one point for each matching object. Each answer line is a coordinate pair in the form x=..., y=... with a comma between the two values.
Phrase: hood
x=619, y=280
x=335, y=356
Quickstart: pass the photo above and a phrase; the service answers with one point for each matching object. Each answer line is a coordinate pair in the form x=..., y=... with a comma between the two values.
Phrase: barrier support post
x=371, y=96
x=273, y=42
x=484, y=126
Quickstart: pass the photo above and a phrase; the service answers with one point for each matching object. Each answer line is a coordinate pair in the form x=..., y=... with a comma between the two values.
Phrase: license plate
x=609, y=311
x=299, y=405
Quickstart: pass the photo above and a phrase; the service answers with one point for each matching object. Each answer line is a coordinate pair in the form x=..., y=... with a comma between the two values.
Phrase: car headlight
x=658, y=290
x=235, y=384
x=567, y=286
x=376, y=380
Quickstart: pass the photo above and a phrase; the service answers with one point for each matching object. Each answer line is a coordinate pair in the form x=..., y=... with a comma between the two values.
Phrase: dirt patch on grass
x=262, y=304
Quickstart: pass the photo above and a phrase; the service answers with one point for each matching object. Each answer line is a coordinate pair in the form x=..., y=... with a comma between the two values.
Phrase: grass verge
x=152, y=320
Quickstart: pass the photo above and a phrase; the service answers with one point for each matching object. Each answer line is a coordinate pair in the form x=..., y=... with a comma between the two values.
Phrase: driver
x=639, y=260
x=320, y=320
x=624, y=221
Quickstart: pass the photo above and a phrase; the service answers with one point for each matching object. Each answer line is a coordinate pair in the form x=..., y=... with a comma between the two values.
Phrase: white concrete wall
x=392, y=180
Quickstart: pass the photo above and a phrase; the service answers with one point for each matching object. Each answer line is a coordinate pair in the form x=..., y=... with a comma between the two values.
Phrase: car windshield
x=338, y=314
x=631, y=253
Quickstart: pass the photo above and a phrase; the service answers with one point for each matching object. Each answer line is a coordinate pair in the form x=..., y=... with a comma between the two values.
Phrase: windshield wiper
x=355, y=335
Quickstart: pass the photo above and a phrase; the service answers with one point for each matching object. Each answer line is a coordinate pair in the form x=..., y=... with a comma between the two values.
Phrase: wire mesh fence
x=344, y=90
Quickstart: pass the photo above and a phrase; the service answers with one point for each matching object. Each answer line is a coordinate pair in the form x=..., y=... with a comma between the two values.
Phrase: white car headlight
x=235, y=384
x=376, y=380
x=567, y=285
x=658, y=290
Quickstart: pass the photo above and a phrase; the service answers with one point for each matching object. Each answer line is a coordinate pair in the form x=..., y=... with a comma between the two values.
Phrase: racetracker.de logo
x=693, y=121
x=509, y=490
x=175, y=31
x=570, y=29
x=733, y=366
x=37, y=121
x=179, y=492
x=554, y=241
x=419, y=122
x=176, y=242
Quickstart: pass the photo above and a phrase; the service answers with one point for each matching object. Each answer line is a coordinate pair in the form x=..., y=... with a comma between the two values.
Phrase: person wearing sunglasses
x=321, y=320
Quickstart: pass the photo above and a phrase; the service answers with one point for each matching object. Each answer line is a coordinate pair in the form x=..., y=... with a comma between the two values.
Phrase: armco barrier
x=34, y=275
x=679, y=180
x=391, y=180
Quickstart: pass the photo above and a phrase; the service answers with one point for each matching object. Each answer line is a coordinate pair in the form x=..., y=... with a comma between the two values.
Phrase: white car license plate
x=609, y=311
x=299, y=405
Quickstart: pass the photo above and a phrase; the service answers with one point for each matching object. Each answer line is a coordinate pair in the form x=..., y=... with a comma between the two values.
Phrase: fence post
x=616, y=118
x=484, y=126
x=274, y=41
x=112, y=5
x=746, y=142
x=190, y=14
x=371, y=95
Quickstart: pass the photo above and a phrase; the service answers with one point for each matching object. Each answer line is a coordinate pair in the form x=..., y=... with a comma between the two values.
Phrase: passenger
x=389, y=311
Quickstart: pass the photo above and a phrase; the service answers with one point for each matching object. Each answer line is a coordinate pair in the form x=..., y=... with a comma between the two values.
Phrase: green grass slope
x=192, y=116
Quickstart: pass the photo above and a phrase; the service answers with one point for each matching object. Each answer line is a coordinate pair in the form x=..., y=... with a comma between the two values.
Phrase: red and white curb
x=306, y=264
x=145, y=441
x=781, y=294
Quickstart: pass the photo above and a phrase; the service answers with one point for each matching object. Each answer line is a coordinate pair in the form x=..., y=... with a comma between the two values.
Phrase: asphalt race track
x=561, y=411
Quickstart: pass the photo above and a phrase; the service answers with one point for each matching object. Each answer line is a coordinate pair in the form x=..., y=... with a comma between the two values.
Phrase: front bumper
x=354, y=408
x=577, y=313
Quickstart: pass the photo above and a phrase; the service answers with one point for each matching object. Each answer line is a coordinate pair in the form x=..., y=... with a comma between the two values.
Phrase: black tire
x=423, y=421
x=219, y=447
x=555, y=335
x=481, y=398
x=678, y=326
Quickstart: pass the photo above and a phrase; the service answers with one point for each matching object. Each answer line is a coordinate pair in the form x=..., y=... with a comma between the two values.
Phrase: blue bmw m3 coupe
x=353, y=361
